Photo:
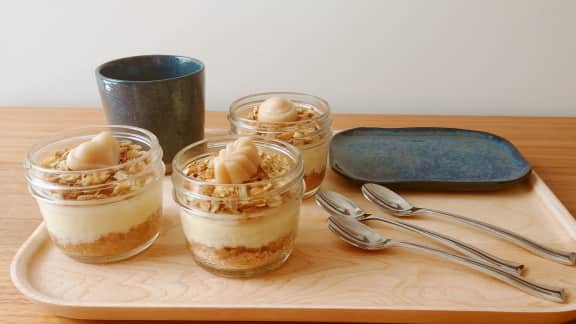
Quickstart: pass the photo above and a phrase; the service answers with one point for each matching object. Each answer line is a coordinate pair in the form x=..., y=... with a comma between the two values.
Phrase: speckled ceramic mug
x=161, y=93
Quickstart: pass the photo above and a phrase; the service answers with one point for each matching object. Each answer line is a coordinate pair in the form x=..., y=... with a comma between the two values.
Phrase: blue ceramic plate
x=427, y=158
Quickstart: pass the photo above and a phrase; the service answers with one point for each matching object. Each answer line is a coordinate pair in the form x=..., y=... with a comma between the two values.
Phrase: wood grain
x=548, y=143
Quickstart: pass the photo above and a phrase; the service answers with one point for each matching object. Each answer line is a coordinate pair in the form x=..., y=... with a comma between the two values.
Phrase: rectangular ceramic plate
x=428, y=158
x=324, y=279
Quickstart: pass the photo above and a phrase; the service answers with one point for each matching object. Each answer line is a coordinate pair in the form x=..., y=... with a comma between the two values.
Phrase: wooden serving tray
x=324, y=279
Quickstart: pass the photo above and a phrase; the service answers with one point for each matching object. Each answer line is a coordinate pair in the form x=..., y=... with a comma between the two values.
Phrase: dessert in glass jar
x=99, y=190
x=300, y=119
x=239, y=202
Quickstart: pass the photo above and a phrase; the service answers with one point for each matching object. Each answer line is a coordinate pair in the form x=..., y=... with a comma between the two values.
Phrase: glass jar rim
x=297, y=167
x=91, y=202
x=235, y=105
x=29, y=164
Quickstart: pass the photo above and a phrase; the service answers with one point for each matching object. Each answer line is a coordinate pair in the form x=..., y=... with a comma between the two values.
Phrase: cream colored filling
x=85, y=224
x=219, y=231
x=315, y=158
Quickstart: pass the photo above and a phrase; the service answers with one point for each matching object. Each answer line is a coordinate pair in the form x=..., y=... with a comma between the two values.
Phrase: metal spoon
x=362, y=236
x=394, y=203
x=335, y=203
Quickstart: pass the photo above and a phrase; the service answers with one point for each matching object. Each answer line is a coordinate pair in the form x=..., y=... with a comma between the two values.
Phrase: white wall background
x=404, y=56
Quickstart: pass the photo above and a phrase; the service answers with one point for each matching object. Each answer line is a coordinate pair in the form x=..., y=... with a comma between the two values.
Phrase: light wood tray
x=324, y=279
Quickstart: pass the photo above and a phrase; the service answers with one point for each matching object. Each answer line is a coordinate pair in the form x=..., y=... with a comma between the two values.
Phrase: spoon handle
x=537, y=248
x=547, y=292
x=453, y=243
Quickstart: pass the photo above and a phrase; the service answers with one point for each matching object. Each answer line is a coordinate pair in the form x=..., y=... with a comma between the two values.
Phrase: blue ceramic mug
x=161, y=93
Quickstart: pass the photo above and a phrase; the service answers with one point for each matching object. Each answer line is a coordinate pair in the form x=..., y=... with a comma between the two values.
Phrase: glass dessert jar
x=99, y=212
x=244, y=224
x=300, y=119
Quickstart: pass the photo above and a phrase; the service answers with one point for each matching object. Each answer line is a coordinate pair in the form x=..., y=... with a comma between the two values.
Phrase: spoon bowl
x=387, y=199
x=350, y=230
x=336, y=203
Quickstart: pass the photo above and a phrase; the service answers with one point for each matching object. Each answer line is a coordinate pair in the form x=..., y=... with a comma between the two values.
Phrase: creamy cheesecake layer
x=219, y=231
x=85, y=224
x=315, y=158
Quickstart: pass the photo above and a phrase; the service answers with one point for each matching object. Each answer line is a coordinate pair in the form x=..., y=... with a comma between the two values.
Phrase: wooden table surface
x=548, y=143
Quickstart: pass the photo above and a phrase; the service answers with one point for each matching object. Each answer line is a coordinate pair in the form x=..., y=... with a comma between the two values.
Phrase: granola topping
x=114, y=182
x=250, y=196
x=307, y=132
